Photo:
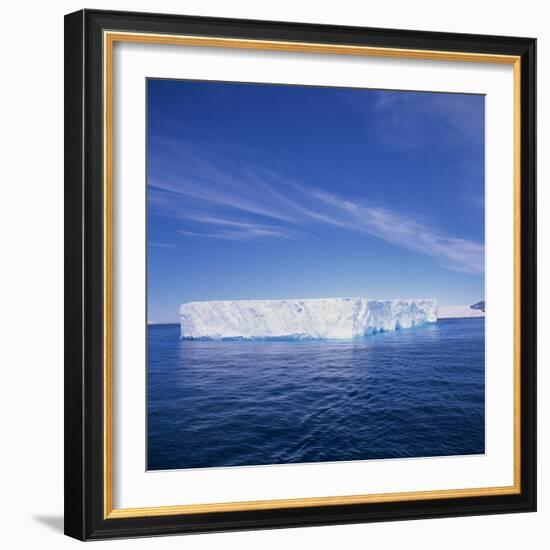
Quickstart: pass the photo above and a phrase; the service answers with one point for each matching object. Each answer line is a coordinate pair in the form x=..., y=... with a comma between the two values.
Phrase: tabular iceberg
x=322, y=318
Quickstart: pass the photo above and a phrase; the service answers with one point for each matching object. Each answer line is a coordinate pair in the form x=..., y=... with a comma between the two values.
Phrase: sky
x=260, y=191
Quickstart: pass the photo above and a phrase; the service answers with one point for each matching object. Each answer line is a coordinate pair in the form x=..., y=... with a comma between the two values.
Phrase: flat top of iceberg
x=289, y=300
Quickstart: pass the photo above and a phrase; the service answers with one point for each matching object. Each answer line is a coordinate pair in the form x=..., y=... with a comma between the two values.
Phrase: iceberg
x=324, y=318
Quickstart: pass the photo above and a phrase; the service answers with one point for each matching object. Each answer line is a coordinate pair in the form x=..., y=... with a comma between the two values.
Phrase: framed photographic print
x=300, y=274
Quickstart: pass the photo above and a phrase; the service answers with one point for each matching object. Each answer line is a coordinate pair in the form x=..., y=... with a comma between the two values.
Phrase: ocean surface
x=416, y=392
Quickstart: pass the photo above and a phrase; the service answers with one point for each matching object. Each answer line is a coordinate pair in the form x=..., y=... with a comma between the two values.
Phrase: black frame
x=84, y=275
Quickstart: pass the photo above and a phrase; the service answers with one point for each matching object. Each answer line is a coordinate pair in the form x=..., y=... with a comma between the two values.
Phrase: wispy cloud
x=412, y=120
x=162, y=245
x=450, y=252
x=234, y=203
x=237, y=230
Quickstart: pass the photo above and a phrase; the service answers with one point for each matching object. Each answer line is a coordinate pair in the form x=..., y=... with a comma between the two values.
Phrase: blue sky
x=261, y=191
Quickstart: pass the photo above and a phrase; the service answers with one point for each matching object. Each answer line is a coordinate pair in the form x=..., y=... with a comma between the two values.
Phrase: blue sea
x=416, y=392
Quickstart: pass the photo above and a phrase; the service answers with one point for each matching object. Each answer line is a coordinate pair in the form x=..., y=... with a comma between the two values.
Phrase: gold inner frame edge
x=109, y=39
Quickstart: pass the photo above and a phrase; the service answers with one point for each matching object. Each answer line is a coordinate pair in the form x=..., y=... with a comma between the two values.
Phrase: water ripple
x=409, y=393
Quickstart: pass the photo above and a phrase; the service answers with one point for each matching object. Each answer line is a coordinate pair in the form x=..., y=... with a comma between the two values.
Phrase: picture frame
x=90, y=293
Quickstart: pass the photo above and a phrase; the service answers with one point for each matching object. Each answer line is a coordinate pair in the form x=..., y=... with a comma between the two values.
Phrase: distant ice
x=456, y=312
x=324, y=318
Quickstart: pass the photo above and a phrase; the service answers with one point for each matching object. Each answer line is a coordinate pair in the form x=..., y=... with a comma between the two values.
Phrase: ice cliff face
x=317, y=319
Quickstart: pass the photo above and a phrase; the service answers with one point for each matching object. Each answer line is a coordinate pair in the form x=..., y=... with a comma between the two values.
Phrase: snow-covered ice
x=458, y=312
x=322, y=318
